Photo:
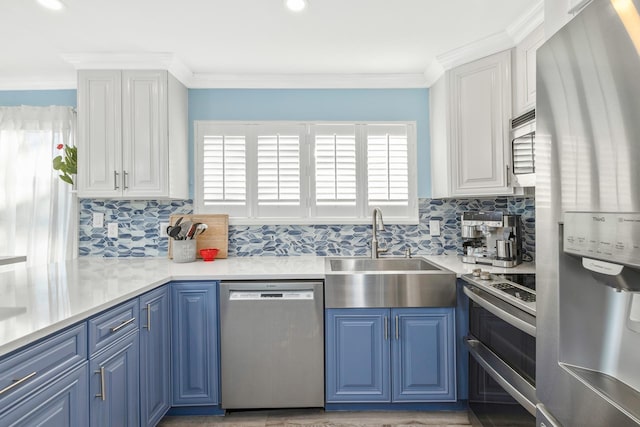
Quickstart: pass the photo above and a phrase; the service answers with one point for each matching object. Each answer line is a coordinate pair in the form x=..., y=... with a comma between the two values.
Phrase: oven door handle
x=519, y=388
x=510, y=318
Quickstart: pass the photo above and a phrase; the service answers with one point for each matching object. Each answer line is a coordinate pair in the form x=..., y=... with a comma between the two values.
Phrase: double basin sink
x=387, y=282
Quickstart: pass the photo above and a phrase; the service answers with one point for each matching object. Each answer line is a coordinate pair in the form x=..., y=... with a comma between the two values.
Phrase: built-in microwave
x=523, y=132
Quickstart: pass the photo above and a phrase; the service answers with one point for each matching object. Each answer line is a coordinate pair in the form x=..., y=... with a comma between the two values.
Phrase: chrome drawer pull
x=148, y=325
x=397, y=329
x=16, y=383
x=122, y=325
x=103, y=394
x=115, y=180
x=125, y=180
x=386, y=328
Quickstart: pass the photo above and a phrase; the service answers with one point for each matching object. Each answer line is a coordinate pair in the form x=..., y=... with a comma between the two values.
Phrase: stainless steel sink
x=381, y=264
x=387, y=282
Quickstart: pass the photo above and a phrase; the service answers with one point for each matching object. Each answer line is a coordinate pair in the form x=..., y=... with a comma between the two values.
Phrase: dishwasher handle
x=271, y=295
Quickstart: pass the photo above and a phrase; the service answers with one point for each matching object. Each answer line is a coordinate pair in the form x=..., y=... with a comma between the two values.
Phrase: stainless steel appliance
x=272, y=344
x=502, y=348
x=588, y=219
x=523, y=134
x=493, y=238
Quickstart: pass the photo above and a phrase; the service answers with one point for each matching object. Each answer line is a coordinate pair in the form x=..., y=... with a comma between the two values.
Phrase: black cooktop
x=526, y=280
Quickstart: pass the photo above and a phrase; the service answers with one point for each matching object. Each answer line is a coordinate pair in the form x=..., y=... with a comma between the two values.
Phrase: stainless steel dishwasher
x=272, y=344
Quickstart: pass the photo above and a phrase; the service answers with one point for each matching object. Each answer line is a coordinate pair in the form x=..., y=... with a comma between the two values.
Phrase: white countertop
x=37, y=301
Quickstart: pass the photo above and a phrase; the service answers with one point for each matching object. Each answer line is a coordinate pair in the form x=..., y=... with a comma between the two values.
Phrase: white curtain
x=38, y=211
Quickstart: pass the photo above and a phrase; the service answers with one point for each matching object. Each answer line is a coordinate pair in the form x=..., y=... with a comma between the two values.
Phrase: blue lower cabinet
x=423, y=355
x=357, y=355
x=195, y=361
x=63, y=402
x=155, y=356
x=390, y=355
x=114, y=384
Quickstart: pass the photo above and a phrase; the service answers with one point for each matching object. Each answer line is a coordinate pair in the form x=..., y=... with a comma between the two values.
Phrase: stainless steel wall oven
x=502, y=348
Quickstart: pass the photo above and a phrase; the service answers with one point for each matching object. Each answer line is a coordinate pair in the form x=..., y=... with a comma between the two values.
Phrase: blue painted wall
x=39, y=98
x=286, y=104
x=320, y=104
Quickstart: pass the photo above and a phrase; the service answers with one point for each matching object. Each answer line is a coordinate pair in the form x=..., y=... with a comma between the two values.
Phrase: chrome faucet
x=376, y=225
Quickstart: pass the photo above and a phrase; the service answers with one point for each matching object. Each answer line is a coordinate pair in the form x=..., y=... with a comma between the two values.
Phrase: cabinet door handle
x=508, y=176
x=122, y=325
x=115, y=180
x=103, y=394
x=16, y=383
x=397, y=329
x=125, y=180
x=386, y=328
x=148, y=325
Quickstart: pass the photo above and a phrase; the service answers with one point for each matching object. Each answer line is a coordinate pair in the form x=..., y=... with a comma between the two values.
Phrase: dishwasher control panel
x=270, y=295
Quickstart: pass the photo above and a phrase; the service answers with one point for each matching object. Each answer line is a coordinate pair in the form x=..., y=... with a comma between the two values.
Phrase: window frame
x=249, y=215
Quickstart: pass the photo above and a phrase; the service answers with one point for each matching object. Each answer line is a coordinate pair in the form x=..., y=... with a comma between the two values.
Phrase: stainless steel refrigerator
x=588, y=219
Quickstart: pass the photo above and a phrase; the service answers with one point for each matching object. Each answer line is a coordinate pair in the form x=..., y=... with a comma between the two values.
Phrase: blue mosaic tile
x=139, y=222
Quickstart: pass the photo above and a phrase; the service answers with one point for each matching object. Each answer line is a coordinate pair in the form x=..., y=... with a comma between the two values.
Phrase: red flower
x=59, y=146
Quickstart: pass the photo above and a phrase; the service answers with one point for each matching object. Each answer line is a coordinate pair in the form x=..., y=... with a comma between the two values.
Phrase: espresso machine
x=492, y=238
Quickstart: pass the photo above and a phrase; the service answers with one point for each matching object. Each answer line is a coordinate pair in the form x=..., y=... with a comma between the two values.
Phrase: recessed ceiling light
x=51, y=4
x=296, y=5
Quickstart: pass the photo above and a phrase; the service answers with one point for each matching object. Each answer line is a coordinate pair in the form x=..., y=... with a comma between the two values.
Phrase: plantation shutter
x=222, y=166
x=335, y=170
x=387, y=165
x=279, y=170
x=306, y=173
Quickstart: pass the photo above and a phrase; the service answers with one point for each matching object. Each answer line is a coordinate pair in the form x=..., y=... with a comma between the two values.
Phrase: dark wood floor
x=317, y=417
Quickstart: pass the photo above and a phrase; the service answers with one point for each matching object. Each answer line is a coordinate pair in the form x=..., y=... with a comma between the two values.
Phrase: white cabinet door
x=525, y=72
x=144, y=134
x=125, y=119
x=99, y=134
x=480, y=102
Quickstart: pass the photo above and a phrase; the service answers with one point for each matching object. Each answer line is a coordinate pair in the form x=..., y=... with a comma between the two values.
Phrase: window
x=306, y=173
x=37, y=209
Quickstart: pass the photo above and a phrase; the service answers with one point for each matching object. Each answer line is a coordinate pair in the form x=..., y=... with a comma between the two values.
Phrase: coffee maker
x=492, y=238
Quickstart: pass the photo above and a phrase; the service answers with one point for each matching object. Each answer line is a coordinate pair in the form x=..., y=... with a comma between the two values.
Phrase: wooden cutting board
x=215, y=236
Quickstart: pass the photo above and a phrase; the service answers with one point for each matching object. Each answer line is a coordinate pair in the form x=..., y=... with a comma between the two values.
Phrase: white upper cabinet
x=525, y=72
x=132, y=135
x=470, y=111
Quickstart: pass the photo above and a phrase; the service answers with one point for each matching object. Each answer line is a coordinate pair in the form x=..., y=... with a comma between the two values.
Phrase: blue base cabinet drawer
x=64, y=402
x=108, y=327
x=28, y=369
x=376, y=355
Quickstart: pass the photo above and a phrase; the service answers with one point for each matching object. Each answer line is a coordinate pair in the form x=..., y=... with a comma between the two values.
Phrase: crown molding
x=502, y=40
x=168, y=61
x=130, y=61
x=433, y=72
x=496, y=42
x=528, y=22
x=307, y=81
x=478, y=49
x=39, y=83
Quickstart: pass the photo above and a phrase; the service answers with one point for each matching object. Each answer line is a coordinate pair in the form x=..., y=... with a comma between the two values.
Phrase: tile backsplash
x=139, y=230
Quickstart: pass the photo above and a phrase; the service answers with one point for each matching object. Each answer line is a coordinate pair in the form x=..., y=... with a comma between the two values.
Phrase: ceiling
x=257, y=43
